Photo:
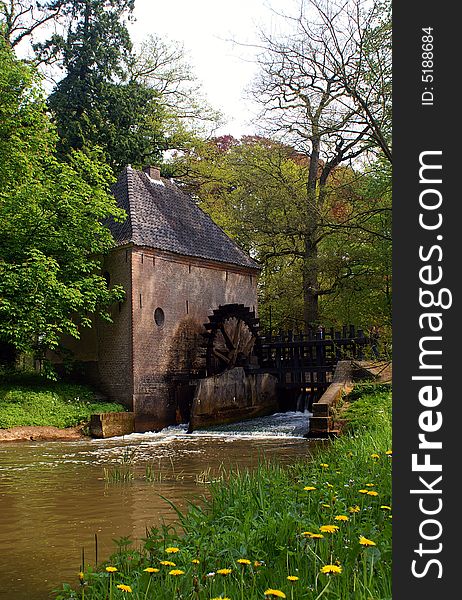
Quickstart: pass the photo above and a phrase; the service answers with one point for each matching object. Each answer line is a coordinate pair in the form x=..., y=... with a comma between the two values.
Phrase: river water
x=55, y=496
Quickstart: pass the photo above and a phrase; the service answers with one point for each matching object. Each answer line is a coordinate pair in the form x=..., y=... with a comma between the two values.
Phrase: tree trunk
x=310, y=258
x=310, y=284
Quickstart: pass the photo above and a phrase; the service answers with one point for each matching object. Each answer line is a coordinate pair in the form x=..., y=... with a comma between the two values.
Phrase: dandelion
x=324, y=465
x=325, y=505
x=176, y=572
x=329, y=528
x=363, y=491
x=307, y=533
x=292, y=578
x=172, y=550
x=385, y=507
x=276, y=593
x=167, y=563
x=370, y=484
x=195, y=561
x=331, y=569
x=151, y=570
x=124, y=588
x=354, y=509
x=316, y=536
x=221, y=598
x=389, y=452
x=372, y=493
x=224, y=571
x=341, y=518
x=111, y=569
x=243, y=561
x=365, y=542
x=309, y=488
x=258, y=563
x=375, y=456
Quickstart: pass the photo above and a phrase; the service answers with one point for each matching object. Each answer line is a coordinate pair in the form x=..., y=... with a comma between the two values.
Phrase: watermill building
x=176, y=266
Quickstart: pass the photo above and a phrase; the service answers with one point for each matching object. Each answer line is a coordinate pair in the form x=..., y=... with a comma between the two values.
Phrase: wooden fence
x=306, y=361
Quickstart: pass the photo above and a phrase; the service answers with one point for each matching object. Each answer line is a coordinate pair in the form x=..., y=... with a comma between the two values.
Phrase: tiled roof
x=161, y=216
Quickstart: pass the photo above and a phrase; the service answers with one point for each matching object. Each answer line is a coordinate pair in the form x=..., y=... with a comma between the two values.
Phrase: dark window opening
x=107, y=278
x=159, y=317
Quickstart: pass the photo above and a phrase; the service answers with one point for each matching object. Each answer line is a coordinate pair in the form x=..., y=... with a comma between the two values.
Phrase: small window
x=159, y=317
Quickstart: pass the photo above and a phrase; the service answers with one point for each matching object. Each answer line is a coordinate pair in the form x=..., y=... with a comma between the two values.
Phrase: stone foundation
x=233, y=396
x=107, y=425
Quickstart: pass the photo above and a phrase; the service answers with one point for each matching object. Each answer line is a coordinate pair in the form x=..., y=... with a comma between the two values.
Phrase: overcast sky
x=205, y=28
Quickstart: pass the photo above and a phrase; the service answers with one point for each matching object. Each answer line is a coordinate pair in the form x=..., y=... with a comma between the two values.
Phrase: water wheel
x=232, y=339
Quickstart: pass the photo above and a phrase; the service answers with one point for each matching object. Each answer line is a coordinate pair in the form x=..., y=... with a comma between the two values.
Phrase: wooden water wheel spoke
x=224, y=357
x=232, y=338
x=228, y=341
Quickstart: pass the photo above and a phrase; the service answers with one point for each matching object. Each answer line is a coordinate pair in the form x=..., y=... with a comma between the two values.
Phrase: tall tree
x=51, y=214
x=20, y=19
x=255, y=188
x=319, y=95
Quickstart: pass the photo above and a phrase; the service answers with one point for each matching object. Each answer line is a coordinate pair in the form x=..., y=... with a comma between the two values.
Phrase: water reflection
x=54, y=497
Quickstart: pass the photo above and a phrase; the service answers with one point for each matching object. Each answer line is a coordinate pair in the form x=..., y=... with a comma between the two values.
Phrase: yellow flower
x=354, y=509
x=328, y=528
x=221, y=598
x=176, y=572
x=386, y=507
x=331, y=569
x=111, y=569
x=81, y=576
x=324, y=465
x=243, y=561
x=325, y=505
x=307, y=533
x=195, y=561
x=309, y=488
x=389, y=452
x=363, y=491
x=316, y=536
x=167, y=563
x=276, y=593
x=375, y=456
x=224, y=571
x=341, y=518
x=370, y=484
x=292, y=578
x=372, y=493
x=151, y=570
x=258, y=563
x=172, y=550
x=365, y=542
x=124, y=588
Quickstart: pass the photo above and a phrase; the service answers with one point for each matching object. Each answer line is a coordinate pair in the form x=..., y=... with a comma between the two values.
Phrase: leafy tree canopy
x=255, y=188
x=51, y=216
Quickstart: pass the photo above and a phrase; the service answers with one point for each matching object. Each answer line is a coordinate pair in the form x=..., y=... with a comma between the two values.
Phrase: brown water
x=54, y=496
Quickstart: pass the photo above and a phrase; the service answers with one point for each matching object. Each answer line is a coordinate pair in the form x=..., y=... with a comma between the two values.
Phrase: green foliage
x=264, y=517
x=51, y=222
x=255, y=188
x=34, y=401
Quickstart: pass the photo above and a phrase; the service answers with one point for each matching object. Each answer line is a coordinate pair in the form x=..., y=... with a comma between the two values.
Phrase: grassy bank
x=316, y=529
x=31, y=400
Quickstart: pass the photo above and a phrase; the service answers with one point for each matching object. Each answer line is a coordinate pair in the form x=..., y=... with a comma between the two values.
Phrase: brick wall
x=187, y=291
x=115, y=339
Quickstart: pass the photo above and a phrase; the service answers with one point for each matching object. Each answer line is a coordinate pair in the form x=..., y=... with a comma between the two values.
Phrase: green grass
x=31, y=400
x=268, y=517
